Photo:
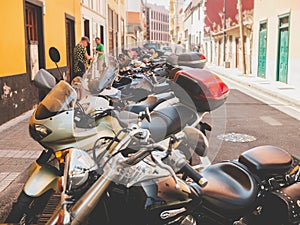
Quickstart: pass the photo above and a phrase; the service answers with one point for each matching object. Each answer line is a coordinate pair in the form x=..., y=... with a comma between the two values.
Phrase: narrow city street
x=98, y=67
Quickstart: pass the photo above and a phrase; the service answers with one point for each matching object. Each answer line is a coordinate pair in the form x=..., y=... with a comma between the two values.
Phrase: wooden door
x=70, y=44
x=283, y=50
x=34, y=34
x=262, y=47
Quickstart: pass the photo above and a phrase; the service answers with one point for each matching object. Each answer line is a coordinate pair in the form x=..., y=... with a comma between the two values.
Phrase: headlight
x=38, y=131
x=80, y=166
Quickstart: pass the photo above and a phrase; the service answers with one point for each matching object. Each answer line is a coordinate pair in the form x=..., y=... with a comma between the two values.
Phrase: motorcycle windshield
x=100, y=74
x=61, y=98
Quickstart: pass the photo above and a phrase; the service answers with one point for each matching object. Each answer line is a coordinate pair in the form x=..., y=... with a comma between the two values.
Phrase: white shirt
x=178, y=49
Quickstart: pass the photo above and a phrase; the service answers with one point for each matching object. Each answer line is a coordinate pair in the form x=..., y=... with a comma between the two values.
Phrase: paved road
x=246, y=115
x=241, y=114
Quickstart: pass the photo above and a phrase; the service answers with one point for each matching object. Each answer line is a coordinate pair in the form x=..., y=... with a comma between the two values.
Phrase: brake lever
x=297, y=176
x=162, y=165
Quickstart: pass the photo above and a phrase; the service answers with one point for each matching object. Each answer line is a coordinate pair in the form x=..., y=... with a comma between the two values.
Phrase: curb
x=250, y=84
x=16, y=120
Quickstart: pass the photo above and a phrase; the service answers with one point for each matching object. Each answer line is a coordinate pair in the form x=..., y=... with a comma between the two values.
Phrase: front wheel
x=27, y=209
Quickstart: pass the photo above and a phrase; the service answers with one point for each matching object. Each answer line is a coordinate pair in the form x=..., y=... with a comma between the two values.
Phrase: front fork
x=83, y=207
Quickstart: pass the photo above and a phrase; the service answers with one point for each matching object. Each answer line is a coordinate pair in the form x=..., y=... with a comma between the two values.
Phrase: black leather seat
x=267, y=161
x=169, y=120
x=230, y=188
x=151, y=102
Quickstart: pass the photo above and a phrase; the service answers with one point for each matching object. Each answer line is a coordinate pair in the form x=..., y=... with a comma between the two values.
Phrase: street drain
x=236, y=137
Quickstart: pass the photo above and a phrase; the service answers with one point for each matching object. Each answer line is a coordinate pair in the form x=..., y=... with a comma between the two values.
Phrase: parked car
x=192, y=59
x=189, y=59
x=167, y=50
x=152, y=45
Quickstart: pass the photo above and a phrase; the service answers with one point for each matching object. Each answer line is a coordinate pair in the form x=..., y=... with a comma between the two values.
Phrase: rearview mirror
x=54, y=54
x=44, y=80
x=196, y=140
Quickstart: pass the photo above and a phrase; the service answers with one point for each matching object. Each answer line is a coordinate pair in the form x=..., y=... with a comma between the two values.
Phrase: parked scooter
x=138, y=184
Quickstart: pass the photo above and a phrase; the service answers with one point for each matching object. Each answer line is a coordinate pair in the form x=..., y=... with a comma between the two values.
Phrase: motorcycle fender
x=41, y=179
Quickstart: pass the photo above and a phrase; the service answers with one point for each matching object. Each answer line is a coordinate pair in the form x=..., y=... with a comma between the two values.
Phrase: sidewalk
x=17, y=151
x=285, y=94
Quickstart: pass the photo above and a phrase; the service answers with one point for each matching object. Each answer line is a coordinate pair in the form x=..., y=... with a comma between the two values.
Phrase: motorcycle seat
x=151, y=102
x=169, y=120
x=230, y=188
x=267, y=161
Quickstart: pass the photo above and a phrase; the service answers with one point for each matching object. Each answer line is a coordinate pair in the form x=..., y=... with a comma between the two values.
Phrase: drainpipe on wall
x=224, y=34
x=239, y=7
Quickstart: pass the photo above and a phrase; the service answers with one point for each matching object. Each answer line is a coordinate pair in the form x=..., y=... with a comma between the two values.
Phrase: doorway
x=283, y=49
x=70, y=43
x=102, y=34
x=35, y=50
x=262, y=47
x=237, y=52
x=87, y=34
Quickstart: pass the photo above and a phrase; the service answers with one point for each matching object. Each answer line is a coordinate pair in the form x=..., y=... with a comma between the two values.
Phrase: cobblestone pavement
x=17, y=151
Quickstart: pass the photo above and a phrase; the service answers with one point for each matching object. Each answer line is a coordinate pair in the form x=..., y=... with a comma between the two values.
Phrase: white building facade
x=93, y=22
x=193, y=24
x=157, y=18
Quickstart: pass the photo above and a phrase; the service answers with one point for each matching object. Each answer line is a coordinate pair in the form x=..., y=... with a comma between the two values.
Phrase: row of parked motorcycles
x=119, y=145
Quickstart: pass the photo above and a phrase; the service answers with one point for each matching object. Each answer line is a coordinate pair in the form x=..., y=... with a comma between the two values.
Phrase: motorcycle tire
x=26, y=209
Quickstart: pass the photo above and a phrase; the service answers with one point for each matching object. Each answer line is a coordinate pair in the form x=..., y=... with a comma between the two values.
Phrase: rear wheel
x=27, y=209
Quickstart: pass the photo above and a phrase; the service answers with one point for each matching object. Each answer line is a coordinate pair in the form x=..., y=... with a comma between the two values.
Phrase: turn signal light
x=60, y=155
x=60, y=220
x=60, y=184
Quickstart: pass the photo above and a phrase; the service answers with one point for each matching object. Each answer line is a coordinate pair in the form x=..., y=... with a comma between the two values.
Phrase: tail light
x=202, y=57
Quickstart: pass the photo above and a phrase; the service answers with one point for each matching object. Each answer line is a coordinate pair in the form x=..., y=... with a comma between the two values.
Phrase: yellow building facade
x=29, y=28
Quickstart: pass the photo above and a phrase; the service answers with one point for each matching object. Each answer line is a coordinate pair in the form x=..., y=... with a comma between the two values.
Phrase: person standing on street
x=99, y=47
x=81, y=57
x=100, y=51
x=178, y=48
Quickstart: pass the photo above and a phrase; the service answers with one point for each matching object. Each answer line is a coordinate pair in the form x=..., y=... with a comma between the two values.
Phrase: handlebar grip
x=198, y=178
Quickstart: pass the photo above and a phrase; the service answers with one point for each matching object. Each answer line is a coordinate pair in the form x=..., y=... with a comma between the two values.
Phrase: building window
x=31, y=22
x=86, y=3
x=122, y=32
x=110, y=18
x=111, y=33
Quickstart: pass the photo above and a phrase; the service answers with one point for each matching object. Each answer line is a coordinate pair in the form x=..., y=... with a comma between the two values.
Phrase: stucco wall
x=270, y=11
